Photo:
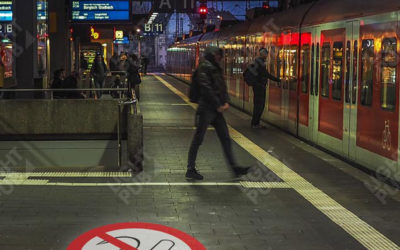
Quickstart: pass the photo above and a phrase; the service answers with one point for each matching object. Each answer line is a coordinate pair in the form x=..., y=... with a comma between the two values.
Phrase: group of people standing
x=127, y=63
x=61, y=81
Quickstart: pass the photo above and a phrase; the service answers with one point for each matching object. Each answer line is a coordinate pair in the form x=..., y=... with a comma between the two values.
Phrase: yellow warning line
x=368, y=236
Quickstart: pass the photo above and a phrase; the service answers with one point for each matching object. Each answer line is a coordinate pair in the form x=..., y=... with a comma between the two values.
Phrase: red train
x=338, y=61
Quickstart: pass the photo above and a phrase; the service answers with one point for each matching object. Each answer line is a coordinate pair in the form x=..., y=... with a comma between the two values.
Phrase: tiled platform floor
x=225, y=217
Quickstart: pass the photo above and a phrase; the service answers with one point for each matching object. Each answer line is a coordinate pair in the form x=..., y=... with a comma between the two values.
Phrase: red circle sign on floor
x=130, y=236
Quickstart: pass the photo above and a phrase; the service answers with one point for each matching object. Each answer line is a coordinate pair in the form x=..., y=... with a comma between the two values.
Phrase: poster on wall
x=98, y=11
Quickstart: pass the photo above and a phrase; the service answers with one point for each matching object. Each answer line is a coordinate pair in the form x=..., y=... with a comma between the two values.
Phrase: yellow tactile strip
x=351, y=223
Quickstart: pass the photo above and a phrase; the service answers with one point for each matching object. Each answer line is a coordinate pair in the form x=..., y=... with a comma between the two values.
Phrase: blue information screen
x=95, y=10
x=6, y=11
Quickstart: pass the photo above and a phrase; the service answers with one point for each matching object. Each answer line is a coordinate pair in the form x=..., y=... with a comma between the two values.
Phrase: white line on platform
x=30, y=182
x=364, y=233
x=25, y=175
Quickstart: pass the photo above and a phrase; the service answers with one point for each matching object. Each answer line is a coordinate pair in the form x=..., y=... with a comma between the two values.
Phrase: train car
x=339, y=65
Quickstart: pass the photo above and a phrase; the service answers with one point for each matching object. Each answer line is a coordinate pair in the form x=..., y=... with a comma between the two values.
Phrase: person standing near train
x=212, y=97
x=258, y=79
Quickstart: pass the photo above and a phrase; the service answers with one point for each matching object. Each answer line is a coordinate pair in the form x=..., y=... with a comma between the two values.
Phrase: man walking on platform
x=213, y=101
x=260, y=87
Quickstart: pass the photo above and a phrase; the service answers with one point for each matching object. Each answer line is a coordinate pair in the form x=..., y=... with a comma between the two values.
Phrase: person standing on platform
x=99, y=72
x=58, y=83
x=133, y=75
x=71, y=82
x=213, y=101
x=114, y=63
x=145, y=63
x=260, y=87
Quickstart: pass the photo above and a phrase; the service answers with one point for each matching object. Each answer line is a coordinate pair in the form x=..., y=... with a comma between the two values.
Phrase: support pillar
x=25, y=45
x=59, y=37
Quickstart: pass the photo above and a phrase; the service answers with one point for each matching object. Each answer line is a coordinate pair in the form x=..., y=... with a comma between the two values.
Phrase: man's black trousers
x=259, y=103
x=204, y=118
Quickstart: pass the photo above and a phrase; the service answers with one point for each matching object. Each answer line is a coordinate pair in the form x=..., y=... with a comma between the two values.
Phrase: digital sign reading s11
x=95, y=10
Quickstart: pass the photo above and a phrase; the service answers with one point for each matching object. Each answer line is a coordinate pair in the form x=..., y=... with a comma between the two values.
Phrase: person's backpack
x=250, y=75
x=194, y=91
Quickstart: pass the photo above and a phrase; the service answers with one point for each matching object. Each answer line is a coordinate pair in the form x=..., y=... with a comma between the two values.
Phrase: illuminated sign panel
x=6, y=11
x=94, y=10
x=153, y=29
x=42, y=10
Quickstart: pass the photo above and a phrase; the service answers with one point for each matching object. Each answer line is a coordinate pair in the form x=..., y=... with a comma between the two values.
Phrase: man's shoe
x=239, y=171
x=259, y=126
x=194, y=175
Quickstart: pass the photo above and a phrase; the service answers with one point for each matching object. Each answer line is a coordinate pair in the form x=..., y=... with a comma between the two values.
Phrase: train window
x=388, y=73
x=317, y=71
x=280, y=65
x=312, y=69
x=355, y=72
x=305, y=71
x=347, y=82
x=367, y=71
x=325, y=65
x=272, y=58
x=337, y=70
x=292, y=67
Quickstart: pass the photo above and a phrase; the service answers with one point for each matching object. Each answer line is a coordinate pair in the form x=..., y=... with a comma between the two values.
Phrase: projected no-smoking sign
x=131, y=236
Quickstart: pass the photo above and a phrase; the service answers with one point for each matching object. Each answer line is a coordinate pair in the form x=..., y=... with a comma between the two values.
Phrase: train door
x=313, y=92
x=275, y=88
x=304, y=81
x=292, y=78
x=314, y=86
x=287, y=60
x=330, y=106
x=378, y=95
x=350, y=89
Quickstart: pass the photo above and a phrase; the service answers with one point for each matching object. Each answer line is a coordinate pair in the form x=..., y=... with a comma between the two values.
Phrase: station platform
x=295, y=196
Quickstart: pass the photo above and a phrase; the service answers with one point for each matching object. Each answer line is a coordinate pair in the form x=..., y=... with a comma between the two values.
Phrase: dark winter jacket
x=263, y=74
x=213, y=91
x=99, y=71
x=114, y=63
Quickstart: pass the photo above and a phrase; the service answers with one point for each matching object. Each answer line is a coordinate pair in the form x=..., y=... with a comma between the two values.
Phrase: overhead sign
x=94, y=34
x=123, y=40
x=6, y=28
x=153, y=29
x=119, y=34
x=6, y=11
x=170, y=6
x=97, y=10
x=42, y=10
x=129, y=236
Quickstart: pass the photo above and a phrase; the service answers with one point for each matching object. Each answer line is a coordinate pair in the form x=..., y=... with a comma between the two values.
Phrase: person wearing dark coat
x=145, y=63
x=71, y=82
x=114, y=62
x=260, y=88
x=213, y=101
x=58, y=83
x=99, y=72
x=133, y=74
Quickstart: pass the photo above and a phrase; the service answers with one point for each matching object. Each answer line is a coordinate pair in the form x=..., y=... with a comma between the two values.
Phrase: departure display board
x=6, y=11
x=95, y=10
